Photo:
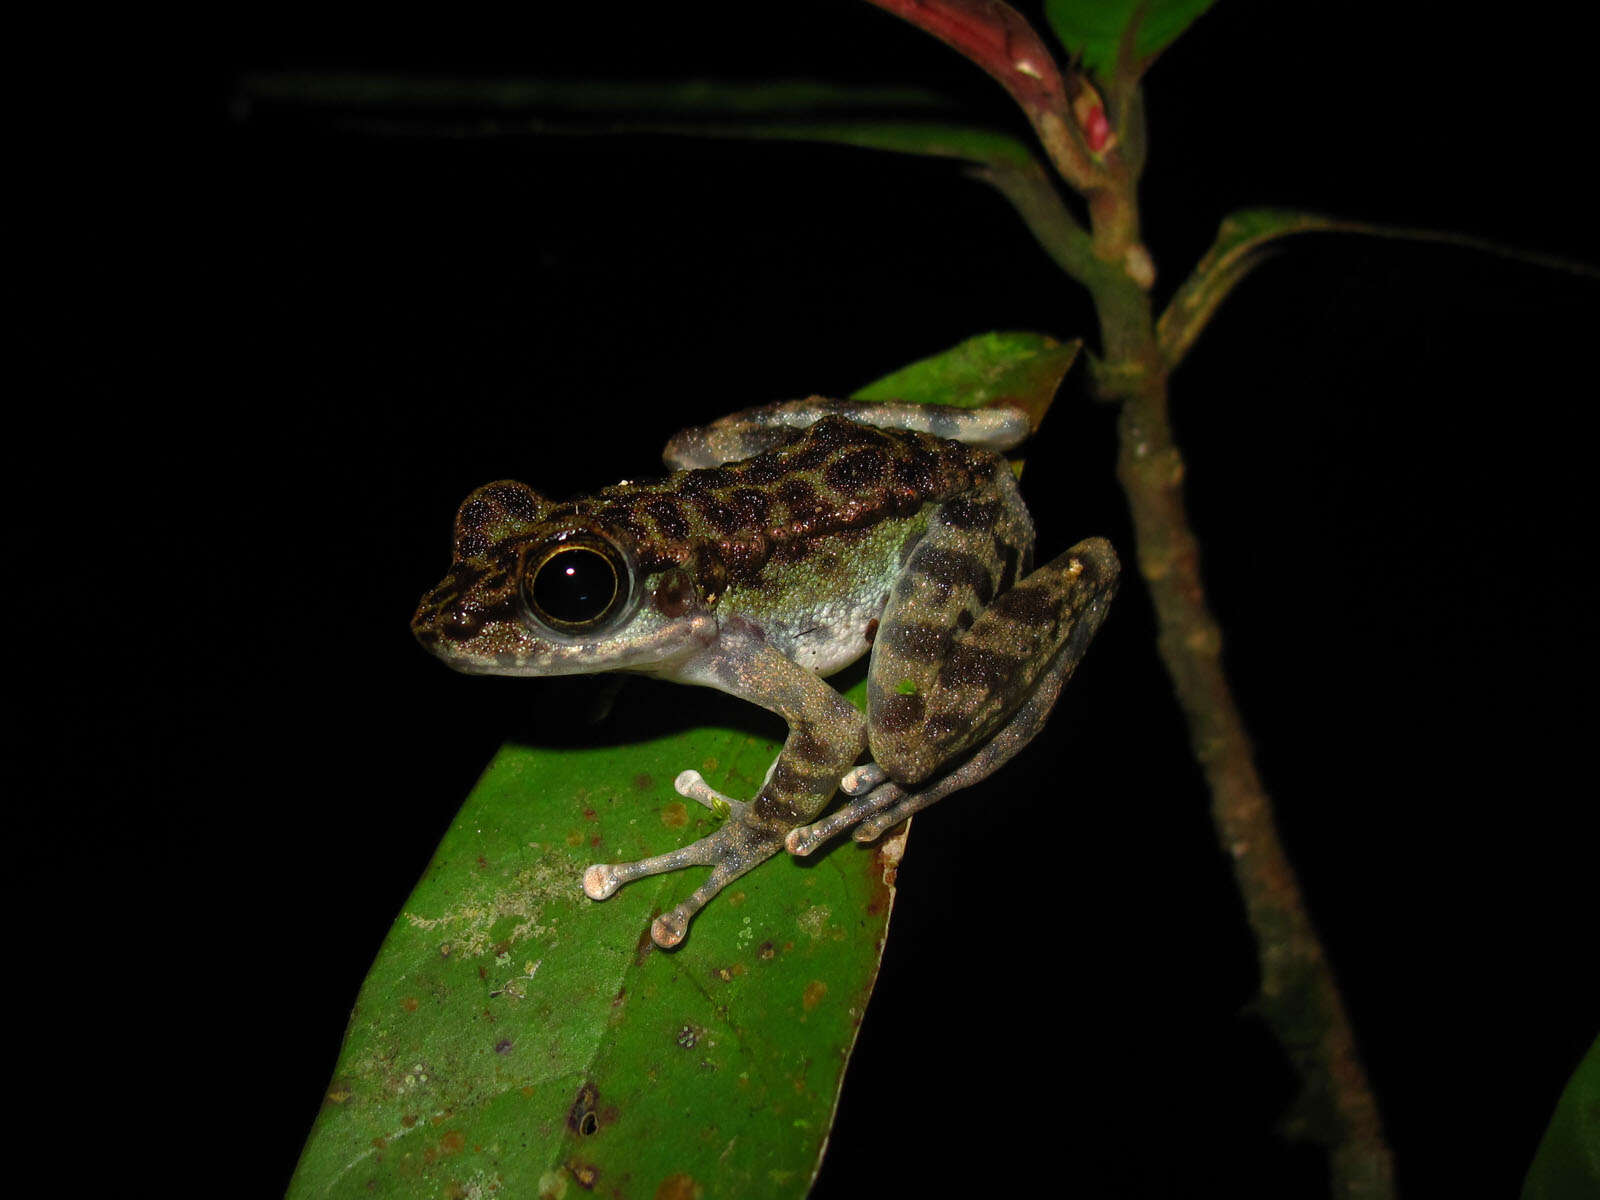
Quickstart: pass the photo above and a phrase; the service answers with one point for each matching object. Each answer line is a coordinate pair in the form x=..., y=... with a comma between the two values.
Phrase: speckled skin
x=798, y=536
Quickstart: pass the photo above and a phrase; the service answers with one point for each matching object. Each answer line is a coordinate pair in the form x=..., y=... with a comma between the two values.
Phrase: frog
x=788, y=541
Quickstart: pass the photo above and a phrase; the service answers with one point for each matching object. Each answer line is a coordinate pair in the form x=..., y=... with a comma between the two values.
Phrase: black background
x=290, y=352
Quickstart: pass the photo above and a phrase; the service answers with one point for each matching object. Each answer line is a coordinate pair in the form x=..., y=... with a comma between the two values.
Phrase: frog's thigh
x=923, y=714
x=1078, y=588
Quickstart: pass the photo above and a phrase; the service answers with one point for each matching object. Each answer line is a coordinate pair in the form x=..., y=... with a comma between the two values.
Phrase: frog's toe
x=600, y=880
x=862, y=779
x=890, y=813
x=603, y=879
x=737, y=849
x=692, y=785
x=806, y=838
x=668, y=929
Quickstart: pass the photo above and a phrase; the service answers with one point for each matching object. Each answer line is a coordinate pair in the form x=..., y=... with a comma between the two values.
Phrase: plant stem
x=1298, y=999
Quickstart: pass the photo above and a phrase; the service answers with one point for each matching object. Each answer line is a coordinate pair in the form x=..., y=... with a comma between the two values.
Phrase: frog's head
x=541, y=588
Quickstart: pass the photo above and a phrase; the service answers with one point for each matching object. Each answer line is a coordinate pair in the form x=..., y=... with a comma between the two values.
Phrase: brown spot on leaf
x=675, y=815
x=678, y=1187
x=503, y=1046
x=812, y=996
x=410, y=1003
x=452, y=1142
x=585, y=1175
x=583, y=1108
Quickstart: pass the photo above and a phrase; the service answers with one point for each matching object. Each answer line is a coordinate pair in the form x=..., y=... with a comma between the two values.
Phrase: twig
x=1299, y=999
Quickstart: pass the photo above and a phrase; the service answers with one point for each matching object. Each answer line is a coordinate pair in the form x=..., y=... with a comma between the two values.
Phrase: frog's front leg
x=826, y=735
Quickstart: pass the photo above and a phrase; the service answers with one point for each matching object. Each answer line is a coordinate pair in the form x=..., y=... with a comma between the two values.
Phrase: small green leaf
x=1246, y=237
x=515, y=1038
x=1023, y=370
x=697, y=108
x=1567, y=1163
x=1091, y=30
x=1241, y=242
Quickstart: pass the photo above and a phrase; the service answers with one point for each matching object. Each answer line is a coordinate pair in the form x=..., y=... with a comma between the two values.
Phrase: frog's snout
x=437, y=616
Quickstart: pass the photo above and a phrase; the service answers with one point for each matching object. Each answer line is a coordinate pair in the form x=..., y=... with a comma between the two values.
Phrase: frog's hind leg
x=1008, y=668
x=889, y=803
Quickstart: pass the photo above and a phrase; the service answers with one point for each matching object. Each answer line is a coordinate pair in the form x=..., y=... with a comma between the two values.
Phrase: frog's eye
x=575, y=583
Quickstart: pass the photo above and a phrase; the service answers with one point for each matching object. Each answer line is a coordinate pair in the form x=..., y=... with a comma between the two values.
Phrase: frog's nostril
x=458, y=626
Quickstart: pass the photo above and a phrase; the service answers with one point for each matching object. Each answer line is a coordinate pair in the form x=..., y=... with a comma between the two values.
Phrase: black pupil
x=575, y=586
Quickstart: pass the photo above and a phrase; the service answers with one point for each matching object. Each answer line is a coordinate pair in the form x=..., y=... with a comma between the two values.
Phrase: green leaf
x=516, y=1038
x=1567, y=1163
x=1020, y=369
x=875, y=117
x=1245, y=238
x=1240, y=246
x=351, y=91
x=1092, y=30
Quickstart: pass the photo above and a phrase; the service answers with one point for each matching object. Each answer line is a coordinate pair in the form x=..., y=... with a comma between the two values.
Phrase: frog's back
x=831, y=479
